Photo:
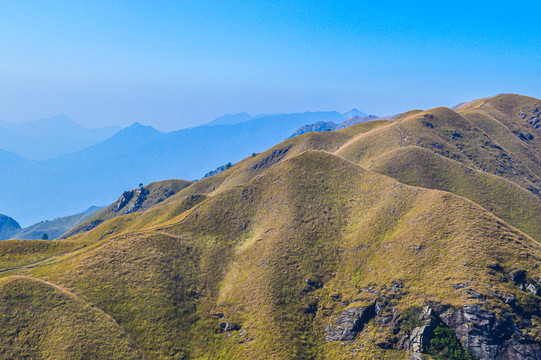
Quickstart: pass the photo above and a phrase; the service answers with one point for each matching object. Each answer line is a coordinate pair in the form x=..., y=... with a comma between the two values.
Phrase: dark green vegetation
x=445, y=346
x=388, y=239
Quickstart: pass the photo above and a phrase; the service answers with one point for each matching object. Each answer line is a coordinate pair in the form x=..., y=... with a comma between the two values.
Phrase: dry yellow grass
x=303, y=223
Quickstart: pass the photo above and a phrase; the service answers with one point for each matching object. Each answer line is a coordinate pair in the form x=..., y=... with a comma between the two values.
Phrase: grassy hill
x=387, y=239
x=97, y=174
x=52, y=228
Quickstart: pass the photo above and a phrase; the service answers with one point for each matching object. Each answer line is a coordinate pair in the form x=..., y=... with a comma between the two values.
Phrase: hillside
x=136, y=154
x=8, y=226
x=384, y=240
x=52, y=228
x=132, y=201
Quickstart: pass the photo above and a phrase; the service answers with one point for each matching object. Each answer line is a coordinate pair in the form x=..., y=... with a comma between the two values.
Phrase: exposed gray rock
x=317, y=126
x=421, y=335
x=488, y=337
x=505, y=298
x=533, y=289
x=349, y=323
x=82, y=228
x=136, y=205
x=385, y=318
x=227, y=326
x=124, y=199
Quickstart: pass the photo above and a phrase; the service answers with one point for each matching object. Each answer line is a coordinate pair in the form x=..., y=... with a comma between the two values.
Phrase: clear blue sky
x=173, y=64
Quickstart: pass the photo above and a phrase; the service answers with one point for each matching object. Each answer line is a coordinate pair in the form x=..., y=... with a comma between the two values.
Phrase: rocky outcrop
x=317, y=126
x=331, y=126
x=418, y=340
x=349, y=323
x=136, y=205
x=82, y=228
x=487, y=336
x=227, y=326
x=131, y=201
x=420, y=336
x=532, y=117
x=123, y=200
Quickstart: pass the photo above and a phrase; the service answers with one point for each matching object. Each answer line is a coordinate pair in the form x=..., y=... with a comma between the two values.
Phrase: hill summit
x=410, y=238
x=8, y=226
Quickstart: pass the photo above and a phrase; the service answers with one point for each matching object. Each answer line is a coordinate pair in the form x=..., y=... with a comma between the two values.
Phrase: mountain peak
x=137, y=130
x=352, y=113
x=8, y=226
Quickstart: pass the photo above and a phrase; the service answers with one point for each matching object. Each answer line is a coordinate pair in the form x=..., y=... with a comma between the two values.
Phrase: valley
x=413, y=237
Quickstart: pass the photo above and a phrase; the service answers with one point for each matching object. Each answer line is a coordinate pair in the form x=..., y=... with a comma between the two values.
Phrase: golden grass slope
x=132, y=201
x=417, y=166
x=285, y=241
x=39, y=320
x=249, y=251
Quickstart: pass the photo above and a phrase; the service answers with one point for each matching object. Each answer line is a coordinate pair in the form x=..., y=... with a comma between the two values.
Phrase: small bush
x=445, y=346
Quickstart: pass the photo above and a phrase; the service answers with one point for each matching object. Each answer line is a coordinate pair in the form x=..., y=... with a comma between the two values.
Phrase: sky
x=176, y=64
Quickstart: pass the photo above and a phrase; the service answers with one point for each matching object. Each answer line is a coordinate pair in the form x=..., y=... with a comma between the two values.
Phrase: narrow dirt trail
x=77, y=298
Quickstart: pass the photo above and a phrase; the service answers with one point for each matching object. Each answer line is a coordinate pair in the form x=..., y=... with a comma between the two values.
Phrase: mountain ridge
x=380, y=240
x=137, y=154
x=50, y=137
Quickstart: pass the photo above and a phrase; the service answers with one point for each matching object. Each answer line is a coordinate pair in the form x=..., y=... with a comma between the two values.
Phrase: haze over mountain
x=353, y=113
x=405, y=239
x=51, y=228
x=34, y=191
x=331, y=126
x=48, y=138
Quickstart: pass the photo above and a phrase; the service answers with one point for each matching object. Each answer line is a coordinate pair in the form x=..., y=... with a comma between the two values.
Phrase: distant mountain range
x=47, y=138
x=52, y=229
x=416, y=238
x=36, y=190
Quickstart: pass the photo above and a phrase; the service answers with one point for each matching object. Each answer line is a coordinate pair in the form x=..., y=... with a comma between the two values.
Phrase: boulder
x=349, y=323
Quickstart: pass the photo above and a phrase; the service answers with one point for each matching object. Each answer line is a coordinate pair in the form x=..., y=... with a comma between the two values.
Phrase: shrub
x=445, y=346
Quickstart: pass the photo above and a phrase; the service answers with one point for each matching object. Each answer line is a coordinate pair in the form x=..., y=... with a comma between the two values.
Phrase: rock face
x=140, y=197
x=421, y=335
x=331, y=126
x=487, y=337
x=8, y=226
x=318, y=126
x=81, y=229
x=349, y=323
x=124, y=199
x=419, y=340
x=125, y=202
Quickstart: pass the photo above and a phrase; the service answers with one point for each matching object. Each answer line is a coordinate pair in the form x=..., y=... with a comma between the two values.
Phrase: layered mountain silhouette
x=417, y=237
x=47, y=138
x=33, y=191
x=51, y=229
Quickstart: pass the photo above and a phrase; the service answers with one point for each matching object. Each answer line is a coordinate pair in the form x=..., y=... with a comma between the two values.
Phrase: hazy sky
x=173, y=64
